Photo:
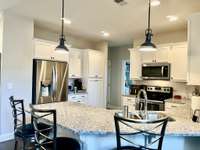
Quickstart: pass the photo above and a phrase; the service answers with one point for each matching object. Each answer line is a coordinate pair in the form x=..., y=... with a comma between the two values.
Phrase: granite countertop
x=84, y=119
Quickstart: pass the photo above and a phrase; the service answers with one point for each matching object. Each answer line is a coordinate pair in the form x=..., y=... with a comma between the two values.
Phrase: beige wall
x=74, y=41
x=167, y=37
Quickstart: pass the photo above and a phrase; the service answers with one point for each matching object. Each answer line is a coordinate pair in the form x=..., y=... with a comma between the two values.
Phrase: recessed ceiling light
x=105, y=34
x=172, y=18
x=67, y=21
x=155, y=2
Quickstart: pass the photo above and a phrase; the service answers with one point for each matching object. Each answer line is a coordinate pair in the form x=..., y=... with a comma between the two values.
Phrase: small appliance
x=156, y=71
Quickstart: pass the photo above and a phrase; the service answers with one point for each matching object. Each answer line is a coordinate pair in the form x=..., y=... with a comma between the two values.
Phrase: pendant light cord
x=63, y=5
x=149, y=16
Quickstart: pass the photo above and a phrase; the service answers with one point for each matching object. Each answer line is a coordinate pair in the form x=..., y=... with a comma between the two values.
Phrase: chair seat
x=68, y=143
x=64, y=143
x=28, y=131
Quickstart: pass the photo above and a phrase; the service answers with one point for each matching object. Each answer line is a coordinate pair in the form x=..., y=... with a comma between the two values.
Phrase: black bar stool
x=51, y=142
x=128, y=131
x=22, y=130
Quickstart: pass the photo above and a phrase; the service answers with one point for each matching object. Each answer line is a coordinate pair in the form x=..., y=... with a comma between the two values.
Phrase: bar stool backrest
x=140, y=134
x=42, y=136
x=18, y=113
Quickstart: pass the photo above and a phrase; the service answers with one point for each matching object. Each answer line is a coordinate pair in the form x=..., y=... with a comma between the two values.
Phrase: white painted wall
x=16, y=65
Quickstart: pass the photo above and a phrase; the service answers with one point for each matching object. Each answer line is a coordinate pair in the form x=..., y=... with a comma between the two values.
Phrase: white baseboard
x=6, y=137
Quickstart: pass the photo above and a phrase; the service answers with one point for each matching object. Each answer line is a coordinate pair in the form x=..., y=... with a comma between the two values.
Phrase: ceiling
x=90, y=17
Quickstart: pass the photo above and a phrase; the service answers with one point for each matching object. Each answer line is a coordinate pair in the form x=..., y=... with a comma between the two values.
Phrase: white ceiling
x=89, y=17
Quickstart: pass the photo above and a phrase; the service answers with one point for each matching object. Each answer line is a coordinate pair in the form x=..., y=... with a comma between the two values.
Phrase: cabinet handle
x=172, y=78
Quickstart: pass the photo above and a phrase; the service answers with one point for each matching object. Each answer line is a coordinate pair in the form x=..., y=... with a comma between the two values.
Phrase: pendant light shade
x=61, y=47
x=148, y=46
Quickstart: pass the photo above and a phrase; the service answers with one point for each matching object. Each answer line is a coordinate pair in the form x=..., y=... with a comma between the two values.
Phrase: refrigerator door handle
x=54, y=80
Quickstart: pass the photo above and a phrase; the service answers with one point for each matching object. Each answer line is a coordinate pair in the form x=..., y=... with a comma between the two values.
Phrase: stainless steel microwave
x=156, y=71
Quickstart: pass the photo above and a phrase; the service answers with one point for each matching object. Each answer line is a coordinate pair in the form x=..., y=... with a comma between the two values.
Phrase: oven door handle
x=162, y=71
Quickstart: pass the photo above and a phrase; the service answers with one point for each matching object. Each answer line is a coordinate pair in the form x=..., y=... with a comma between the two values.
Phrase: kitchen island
x=95, y=128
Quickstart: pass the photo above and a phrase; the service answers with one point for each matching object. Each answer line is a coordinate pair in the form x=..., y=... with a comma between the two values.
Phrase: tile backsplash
x=179, y=88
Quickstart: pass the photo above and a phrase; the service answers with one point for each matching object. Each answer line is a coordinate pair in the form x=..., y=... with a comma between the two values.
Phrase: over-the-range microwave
x=156, y=71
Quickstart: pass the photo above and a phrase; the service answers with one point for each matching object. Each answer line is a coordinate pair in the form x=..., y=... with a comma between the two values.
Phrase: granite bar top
x=83, y=119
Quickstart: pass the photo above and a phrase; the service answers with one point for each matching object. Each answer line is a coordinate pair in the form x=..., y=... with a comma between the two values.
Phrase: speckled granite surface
x=83, y=119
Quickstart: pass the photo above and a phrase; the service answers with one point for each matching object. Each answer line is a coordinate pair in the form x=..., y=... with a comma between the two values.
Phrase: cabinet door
x=91, y=64
x=179, y=63
x=148, y=57
x=91, y=89
x=99, y=91
x=95, y=93
x=75, y=69
x=96, y=63
x=46, y=50
x=162, y=54
x=135, y=65
x=60, y=56
x=99, y=64
x=43, y=50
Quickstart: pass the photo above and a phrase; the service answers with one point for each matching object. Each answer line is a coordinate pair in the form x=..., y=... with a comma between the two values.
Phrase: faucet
x=143, y=102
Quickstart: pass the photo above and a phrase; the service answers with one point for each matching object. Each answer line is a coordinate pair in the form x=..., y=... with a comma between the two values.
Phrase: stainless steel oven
x=152, y=105
x=156, y=71
x=156, y=96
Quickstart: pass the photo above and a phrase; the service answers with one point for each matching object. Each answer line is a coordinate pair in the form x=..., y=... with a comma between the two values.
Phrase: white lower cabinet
x=130, y=102
x=95, y=93
x=80, y=98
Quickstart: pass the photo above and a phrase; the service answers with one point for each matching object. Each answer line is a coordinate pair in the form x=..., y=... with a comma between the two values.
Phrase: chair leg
x=16, y=144
x=24, y=144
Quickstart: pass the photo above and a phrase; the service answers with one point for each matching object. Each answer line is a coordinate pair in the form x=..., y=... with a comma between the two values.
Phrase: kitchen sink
x=151, y=116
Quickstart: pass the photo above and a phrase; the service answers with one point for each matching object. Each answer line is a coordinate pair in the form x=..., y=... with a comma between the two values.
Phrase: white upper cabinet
x=148, y=57
x=46, y=50
x=179, y=65
x=135, y=64
x=194, y=50
x=75, y=63
x=95, y=64
x=161, y=55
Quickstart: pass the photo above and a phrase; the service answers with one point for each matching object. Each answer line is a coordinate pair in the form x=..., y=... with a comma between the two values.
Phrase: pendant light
x=148, y=46
x=61, y=47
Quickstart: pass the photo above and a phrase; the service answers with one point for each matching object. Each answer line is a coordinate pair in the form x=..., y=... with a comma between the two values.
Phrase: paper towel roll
x=195, y=104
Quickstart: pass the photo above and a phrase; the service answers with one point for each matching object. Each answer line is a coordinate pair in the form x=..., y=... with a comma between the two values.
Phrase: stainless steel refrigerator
x=50, y=81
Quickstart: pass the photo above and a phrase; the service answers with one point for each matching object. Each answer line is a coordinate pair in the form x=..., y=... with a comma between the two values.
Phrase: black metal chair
x=51, y=142
x=22, y=130
x=139, y=134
